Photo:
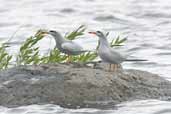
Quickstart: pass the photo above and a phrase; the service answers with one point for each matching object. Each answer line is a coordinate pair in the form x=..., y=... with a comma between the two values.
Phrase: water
x=136, y=107
x=147, y=23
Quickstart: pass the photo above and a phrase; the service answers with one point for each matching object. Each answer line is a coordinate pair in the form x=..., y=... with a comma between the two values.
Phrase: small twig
x=12, y=36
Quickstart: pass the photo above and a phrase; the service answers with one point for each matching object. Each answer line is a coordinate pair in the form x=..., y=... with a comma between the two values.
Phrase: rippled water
x=136, y=107
x=147, y=23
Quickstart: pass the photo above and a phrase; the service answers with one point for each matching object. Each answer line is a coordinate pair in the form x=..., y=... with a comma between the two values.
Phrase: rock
x=74, y=85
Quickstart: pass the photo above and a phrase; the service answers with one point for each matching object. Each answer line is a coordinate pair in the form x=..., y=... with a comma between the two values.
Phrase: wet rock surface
x=74, y=85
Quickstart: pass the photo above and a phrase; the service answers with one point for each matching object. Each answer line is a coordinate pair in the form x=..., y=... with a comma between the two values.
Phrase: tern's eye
x=98, y=32
x=52, y=31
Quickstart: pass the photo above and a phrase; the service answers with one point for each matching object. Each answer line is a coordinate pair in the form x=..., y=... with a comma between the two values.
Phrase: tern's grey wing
x=110, y=56
x=71, y=46
x=116, y=56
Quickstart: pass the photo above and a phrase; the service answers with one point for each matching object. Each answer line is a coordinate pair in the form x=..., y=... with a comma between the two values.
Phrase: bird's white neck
x=103, y=43
x=59, y=39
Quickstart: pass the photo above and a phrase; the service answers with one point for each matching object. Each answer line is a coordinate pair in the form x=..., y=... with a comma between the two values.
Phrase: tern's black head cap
x=52, y=31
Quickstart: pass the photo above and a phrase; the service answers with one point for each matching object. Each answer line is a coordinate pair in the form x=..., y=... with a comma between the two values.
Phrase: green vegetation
x=55, y=56
x=29, y=53
x=5, y=58
x=74, y=34
x=85, y=57
x=118, y=41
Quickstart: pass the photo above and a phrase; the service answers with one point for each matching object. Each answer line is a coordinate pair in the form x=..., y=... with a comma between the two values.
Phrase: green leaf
x=29, y=53
x=5, y=58
x=78, y=32
x=118, y=41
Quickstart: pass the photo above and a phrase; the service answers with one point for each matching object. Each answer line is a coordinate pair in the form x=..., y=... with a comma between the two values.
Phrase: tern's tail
x=136, y=60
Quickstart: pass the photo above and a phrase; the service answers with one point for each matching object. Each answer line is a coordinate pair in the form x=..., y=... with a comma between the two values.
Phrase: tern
x=109, y=54
x=66, y=46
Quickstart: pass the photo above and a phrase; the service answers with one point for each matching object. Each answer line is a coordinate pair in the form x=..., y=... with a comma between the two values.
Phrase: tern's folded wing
x=71, y=46
x=116, y=55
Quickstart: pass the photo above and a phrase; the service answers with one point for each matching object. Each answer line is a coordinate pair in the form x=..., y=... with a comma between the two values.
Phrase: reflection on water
x=147, y=23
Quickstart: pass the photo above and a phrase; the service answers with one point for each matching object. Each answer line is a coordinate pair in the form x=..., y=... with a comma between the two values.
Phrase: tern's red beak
x=92, y=33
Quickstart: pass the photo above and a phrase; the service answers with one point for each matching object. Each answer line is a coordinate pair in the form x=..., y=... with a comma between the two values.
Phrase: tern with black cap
x=66, y=46
x=108, y=54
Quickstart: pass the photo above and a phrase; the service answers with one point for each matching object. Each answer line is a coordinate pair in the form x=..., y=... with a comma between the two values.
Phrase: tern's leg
x=68, y=59
x=111, y=68
x=110, y=65
x=114, y=67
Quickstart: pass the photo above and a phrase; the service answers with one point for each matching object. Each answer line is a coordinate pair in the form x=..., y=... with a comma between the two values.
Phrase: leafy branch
x=29, y=53
x=118, y=41
x=5, y=58
x=78, y=32
x=55, y=56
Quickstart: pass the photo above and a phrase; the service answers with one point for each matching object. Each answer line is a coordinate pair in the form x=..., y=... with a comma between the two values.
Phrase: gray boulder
x=75, y=85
